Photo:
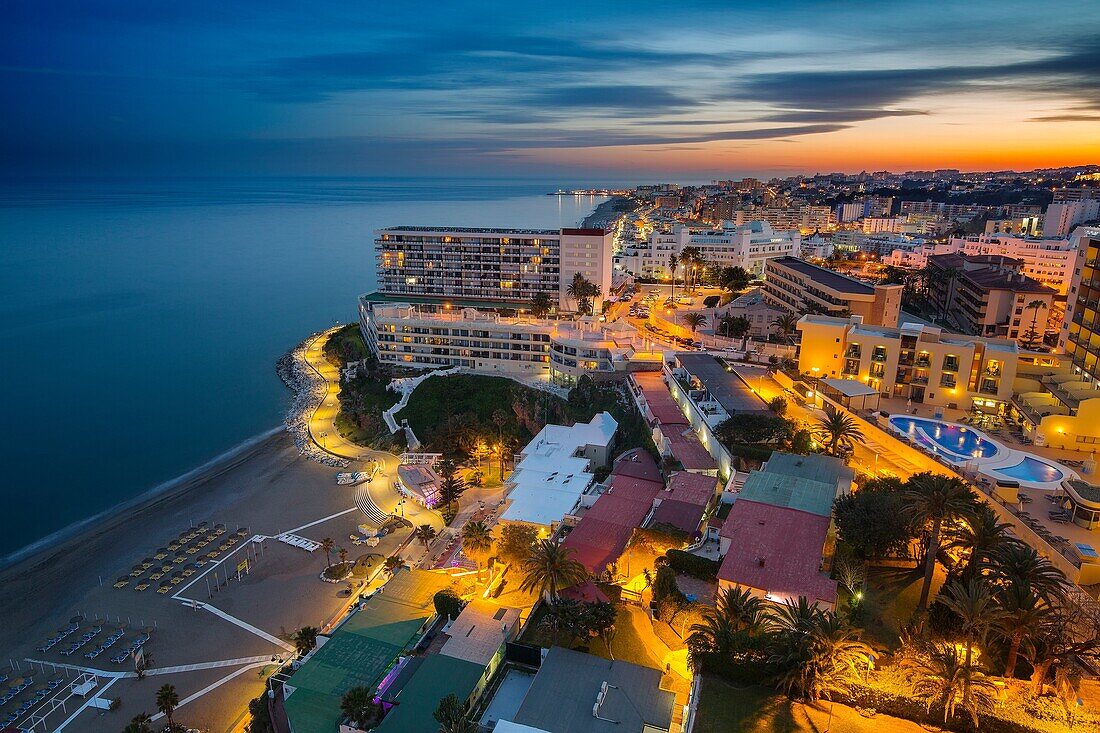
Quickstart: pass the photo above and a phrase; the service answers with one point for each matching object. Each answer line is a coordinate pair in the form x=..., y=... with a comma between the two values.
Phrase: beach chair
x=141, y=586
x=164, y=589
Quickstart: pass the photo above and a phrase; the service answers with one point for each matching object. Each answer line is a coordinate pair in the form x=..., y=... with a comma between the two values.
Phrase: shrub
x=447, y=603
x=687, y=564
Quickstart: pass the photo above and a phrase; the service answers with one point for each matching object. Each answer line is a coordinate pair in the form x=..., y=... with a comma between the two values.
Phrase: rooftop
x=662, y=406
x=687, y=449
x=566, y=439
x=823, y=276
x=436, y=677
x=694, y=488
x=776, y=489
x=820, y=467
x=471, y=230
x=479, y=631
x=777, y=550
x=565, y=689
x=730, y=391
x=850, y=387
x=361, y=650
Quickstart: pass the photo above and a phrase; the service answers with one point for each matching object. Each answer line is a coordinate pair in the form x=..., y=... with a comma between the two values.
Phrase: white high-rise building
x=1061, y=217
x=490, y=267
x=749, y=246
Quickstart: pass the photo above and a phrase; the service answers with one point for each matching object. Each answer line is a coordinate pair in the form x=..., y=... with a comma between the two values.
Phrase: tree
x=1024, y=614
x=734, y=278
x=424, y=534
x=167, y=700
x=940, y=677
x=666, y=593
x=872, y=522
x=515, y=543
x=451, y=716
x=563, y=615
x=838, y=429
x=550, y=568
x=304, y=640
x=583, y=290
x=673, y=263
x=752, y=427
x=451, y=487
x=359, y=707
x=737, y=615
x=541, y=305
x=931, y=500
x=328, y=545
x=786, y=324
x=979, y=536
x=1017, y=564
x=975, y=606
x=778, y=405
x=599, y=619
x=393, y=563
x=734, y=326
x=259, y=716
x=694, y=321
x=477, y=544
x=814, y=653
x=343, y=555
x=447, y=603
x=140, y=723
x=1031, y=336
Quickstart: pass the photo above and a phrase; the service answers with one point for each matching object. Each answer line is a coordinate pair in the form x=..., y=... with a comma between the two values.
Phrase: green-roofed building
x=437, y=676
x=361, y=650
x=806, y=483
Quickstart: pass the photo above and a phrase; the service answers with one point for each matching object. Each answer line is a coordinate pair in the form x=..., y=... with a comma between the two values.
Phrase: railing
x=878, y=357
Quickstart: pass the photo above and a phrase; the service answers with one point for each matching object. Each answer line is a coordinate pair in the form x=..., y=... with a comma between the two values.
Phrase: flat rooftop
x=479, y=631
x=561, y=697
x=727, y=388
x=470, y=230
x=824, y=276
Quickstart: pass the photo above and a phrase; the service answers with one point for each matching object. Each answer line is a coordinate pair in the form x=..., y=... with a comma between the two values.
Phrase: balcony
x=950, y=365
x=919, y=379
x=906, y=361
x=879, y=357
x=924, y=361
x=853, y=352
x=947, y=382
x=993, y=371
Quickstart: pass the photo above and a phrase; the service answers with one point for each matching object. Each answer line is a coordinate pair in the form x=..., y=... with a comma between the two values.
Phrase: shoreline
x=43, y=550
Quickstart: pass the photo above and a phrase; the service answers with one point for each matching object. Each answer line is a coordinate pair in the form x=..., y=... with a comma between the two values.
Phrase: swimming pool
x=962, y=445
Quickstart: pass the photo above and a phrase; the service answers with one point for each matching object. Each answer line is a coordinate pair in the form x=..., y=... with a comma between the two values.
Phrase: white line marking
x=248, y=627
x=264, y=658
x=85, y=705
x=78, y=668
x=211, y=687
x=319, y=521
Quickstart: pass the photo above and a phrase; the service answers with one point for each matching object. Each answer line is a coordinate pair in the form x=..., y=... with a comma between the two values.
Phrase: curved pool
x=962, y=445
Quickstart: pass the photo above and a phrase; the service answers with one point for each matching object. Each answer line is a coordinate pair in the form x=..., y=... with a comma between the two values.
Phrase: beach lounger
x=141, y=586
x=163, y=589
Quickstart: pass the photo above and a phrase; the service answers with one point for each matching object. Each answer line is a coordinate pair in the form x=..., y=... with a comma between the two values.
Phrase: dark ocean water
x=141, y=320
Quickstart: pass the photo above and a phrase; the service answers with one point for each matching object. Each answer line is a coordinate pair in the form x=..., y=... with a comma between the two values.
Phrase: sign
x=242, y=566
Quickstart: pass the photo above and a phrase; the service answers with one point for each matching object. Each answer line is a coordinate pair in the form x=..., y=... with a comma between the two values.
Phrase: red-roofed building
x=687, y=500
x=686, y=448
x=638, y=464
x=660, y=407
x=776, y=552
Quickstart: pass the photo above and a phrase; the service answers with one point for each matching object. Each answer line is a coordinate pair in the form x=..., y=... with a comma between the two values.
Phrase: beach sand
x=266, y=487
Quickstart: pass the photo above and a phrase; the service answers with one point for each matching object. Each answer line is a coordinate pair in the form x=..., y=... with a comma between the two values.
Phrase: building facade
x=747, y=245
x=988, y=295
x=914, y=362
x=495, y=266
x=1080, y=337
x=796, y=286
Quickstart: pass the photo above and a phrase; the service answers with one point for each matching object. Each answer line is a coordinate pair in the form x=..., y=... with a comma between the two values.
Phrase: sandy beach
x=268, y=488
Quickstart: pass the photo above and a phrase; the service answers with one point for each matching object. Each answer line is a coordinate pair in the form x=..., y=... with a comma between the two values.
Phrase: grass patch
x=346, y=345
x=724, y=707
x=626, y=646
x=453, y=414
x=890, y=601
x=365, y=397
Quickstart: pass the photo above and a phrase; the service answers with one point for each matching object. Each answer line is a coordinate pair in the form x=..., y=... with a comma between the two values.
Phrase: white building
x=495, y=267
x=748, y=245
x=1061, y=217
x=439, y=336
x=554, y=471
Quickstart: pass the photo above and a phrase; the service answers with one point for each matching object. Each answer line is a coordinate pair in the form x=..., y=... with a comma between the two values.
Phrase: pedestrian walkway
x=211, y=687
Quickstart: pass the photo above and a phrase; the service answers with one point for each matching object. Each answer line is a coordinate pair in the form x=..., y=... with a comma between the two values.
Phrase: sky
x=525, y=89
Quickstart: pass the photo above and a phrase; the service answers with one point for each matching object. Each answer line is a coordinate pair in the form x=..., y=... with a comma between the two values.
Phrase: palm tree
x=304, y=639
x=139, y=724
x=673, y=262
x=977, y=609
x=942, y=677
x=550, y=568
x=786, y=324
x=343, y=555
x=359, y=707
x=816, y=653
x=980, y=535
x=1024, y=614
x=425, y=533
x=477, y=543
x=328, y=545
x=541, y=304
x=451, y=716
x=1017, y=564
x=582, y=290
x=737, y=613
x=838, y=429
x=932, y=499
x=694, y=321
x=167, y=700
x=1032, y=333
x=393, y=562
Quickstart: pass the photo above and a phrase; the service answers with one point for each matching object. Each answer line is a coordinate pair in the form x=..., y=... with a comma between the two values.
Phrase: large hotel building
x=489, y=267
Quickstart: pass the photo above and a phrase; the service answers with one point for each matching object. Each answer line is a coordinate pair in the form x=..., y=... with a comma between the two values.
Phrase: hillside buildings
x=489, y=267
x=796, y=286
x=914, y=362
x=747, y=245
x=988, y=295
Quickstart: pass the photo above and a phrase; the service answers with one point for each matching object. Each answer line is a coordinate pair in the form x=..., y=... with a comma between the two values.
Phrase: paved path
x=323, y=419
x=213, y=686
x=247, y=626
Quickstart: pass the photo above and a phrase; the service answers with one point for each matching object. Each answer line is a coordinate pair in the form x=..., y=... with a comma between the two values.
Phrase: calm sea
x=141, y=320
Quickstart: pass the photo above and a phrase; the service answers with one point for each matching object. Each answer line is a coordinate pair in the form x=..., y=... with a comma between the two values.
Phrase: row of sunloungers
x=301, y=542
x=125, y=653
x=29, y=703
x=58, y=637
x=109, y=642
x=184, y=555
x=82, y=641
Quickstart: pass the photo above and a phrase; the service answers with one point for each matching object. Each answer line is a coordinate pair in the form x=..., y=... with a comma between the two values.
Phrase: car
x=627, y=298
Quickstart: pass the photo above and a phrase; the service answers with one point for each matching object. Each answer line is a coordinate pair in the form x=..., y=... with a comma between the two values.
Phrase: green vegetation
x=345, y=345
x=471, y=416
x=696, y=566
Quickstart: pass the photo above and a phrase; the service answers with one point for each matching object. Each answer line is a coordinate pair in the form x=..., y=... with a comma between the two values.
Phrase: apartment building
x=748, y=245
x=1048, y=260
x=914, y=362
x=493, y=267
x=1061, y=217
x=796, y=286
x=988, y=295
x=433, y=336
x=1080, y=337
